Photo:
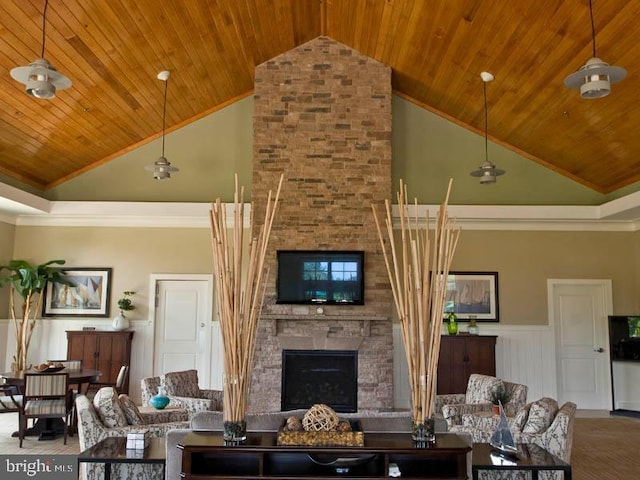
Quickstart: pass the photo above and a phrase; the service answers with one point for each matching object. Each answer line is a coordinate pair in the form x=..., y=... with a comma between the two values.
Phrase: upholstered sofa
x=272, y=421
x=110, y=415
x=183, y=391
x=541, y=422
x=478, y=398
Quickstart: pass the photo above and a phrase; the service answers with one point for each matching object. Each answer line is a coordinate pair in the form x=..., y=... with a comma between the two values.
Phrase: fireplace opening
x=320, y=376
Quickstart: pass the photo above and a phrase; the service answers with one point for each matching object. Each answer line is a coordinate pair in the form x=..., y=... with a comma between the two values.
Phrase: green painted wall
x=427, y=151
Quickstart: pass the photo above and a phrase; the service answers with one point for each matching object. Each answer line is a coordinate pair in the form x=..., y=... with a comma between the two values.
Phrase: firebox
x=320, y=376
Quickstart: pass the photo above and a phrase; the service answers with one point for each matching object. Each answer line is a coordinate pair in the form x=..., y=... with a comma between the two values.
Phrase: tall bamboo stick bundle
x=418, y=265
x=239, y=297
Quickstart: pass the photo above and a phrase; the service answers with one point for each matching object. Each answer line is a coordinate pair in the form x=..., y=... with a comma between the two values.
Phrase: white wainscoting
x=49, y=341
x=524, y=354
x=626, y=385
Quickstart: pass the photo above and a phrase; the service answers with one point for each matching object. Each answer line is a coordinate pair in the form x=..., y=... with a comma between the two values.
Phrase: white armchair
x=113, y=416
x=481, y=389
x=183, y=391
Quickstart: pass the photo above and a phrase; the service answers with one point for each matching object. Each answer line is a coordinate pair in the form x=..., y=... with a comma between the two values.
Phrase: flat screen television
x=334, y=277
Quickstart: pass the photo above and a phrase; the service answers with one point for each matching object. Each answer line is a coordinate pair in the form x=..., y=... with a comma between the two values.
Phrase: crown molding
x=196, y=215
x=129, y=214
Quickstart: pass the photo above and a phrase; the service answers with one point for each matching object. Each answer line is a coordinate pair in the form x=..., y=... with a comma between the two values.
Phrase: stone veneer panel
x=323, y=119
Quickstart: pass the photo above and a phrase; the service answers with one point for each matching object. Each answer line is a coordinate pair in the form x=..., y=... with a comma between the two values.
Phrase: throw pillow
x=181, y=384
x=541, y=414
x=108, y=408
x=521, y=417
x=131, y=411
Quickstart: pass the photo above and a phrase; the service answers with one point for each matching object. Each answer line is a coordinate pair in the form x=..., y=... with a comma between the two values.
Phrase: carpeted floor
x=603, y=448
x=606, y=449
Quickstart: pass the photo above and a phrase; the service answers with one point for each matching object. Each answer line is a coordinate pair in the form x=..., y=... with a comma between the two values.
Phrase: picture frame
x=472, y=294
x=89, y=297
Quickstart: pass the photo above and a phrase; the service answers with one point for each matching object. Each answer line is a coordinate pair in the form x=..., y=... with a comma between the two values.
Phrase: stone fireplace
x=323, y=119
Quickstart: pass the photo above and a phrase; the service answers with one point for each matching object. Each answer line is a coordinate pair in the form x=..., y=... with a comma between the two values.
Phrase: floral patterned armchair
x=112, y=416
x=540, y=422
x=478, y=398
x=183, y=391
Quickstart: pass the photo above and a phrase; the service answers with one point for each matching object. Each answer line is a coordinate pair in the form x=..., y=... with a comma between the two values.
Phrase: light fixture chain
x=593, y=28
x=44, y=25
x=164, y=112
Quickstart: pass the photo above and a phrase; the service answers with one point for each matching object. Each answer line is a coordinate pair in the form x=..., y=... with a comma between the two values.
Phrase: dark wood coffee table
x=113, y=450
x=531, y=457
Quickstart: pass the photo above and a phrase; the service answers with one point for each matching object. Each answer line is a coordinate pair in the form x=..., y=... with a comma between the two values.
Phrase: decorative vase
x=120, y=322
x=452, y=326
x=234, y=432
x=423, y=431
x=160, y=400
x=473, y=326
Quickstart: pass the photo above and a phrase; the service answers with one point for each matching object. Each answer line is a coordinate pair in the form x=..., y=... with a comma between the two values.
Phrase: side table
x=113, y=450
x=531, y=458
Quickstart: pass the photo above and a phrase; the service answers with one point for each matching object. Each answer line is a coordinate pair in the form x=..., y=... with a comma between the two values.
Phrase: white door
x=183, y=327
x=579, y=311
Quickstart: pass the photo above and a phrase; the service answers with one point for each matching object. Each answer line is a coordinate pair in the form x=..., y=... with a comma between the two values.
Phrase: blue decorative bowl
x=159, y=401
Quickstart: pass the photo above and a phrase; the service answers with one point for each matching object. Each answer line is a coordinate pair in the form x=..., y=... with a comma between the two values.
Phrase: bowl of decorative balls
x=320, y=427
x=48, y=367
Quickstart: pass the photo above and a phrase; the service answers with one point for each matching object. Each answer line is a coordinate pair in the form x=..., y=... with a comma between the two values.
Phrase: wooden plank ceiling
x=112, y=50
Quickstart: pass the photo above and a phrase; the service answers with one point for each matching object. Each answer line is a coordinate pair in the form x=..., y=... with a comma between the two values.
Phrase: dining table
x=48, y=428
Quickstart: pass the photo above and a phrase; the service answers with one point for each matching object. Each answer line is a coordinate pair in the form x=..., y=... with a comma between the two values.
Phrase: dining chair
x=119, y=384
x=10, y=399
x=46, y=396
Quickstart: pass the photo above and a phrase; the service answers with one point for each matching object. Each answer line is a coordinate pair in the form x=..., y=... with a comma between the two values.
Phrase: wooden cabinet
x=462, y=355
x=206, y=457
x=101, y=350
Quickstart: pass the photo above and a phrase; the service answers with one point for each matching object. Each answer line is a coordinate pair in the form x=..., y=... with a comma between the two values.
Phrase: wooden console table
x=205, y=456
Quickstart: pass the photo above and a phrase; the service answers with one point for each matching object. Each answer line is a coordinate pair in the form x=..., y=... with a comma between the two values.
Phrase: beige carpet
x=603, y=448
x=606, y=449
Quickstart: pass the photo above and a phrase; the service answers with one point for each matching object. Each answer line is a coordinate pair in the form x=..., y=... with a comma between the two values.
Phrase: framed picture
x=473, y=294
x=88, y=297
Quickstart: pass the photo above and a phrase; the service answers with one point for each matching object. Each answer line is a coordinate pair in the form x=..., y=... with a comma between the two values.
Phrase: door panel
x=183, y=330
x=580, y=310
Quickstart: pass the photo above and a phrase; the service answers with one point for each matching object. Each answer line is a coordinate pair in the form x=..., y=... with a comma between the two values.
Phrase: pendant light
x=162, y=168
x=40, y=77
x=487, y=171
x=595, y=77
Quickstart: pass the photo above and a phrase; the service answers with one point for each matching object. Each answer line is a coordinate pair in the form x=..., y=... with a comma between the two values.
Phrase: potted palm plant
x=28, y=281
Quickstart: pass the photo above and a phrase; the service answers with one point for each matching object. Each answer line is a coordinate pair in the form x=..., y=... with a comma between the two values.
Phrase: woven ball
x=320, y=417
